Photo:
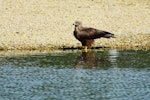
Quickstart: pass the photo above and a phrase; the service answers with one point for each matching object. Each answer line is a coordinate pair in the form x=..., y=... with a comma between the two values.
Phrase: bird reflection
x=89, y=60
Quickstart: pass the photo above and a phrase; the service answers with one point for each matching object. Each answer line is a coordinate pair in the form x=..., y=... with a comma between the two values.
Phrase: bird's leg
x=84, y=49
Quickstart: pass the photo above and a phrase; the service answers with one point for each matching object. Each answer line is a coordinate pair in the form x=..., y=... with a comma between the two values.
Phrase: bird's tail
x=108, y=35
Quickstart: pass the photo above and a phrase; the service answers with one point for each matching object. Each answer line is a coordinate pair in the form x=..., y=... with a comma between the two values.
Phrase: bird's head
x=77, y=23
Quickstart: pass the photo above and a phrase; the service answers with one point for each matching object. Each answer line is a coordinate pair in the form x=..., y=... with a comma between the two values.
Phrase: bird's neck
x=78, y=28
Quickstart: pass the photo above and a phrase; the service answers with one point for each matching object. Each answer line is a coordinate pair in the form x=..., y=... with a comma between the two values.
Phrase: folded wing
x=91, y=33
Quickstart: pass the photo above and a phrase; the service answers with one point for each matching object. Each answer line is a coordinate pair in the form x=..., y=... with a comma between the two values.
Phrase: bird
x=86, y=35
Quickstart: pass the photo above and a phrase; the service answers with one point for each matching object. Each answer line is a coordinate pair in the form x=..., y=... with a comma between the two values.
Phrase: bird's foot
x=84, y=49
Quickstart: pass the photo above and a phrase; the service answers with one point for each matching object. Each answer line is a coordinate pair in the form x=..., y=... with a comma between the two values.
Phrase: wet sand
x=47, y=24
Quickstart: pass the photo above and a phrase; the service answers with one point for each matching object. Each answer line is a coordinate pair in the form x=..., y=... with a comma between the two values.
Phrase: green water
x=73, y=75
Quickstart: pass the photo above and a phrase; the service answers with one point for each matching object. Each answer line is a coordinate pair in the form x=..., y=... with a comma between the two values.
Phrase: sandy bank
x=47, y=24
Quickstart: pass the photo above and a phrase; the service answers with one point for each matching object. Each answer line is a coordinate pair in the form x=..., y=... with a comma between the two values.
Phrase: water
x=96, y=75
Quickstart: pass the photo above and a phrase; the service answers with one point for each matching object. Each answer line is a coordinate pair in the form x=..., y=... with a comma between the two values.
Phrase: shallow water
x=73, y=75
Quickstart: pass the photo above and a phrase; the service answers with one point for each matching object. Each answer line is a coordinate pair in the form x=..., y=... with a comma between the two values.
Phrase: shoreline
x=122, y=41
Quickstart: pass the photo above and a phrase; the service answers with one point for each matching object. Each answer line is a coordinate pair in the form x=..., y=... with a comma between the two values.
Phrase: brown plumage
x=87, y=35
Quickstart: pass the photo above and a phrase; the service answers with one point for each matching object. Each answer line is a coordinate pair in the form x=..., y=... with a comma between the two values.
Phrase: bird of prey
x=87, y=35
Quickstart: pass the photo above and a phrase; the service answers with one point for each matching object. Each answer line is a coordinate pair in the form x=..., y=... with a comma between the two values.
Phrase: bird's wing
x=90, y=33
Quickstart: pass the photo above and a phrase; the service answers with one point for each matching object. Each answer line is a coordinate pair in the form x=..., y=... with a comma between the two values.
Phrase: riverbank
x=47, y=25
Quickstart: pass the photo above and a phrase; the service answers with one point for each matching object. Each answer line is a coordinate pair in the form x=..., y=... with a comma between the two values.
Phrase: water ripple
x=27, y=78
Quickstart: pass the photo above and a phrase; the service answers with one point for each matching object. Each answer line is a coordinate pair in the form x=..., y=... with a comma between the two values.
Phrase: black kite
x=87, y=35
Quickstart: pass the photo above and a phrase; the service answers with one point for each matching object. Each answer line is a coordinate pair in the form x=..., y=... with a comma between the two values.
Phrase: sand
x=47, y=24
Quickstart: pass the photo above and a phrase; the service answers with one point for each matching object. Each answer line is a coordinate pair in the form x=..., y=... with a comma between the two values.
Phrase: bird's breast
x=75, y=34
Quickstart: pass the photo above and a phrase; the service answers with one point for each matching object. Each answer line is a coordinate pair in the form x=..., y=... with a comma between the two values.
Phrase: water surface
x=73, y=75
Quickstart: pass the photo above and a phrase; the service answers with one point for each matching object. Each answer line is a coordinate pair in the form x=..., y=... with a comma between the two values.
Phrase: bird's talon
x=84, y=49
